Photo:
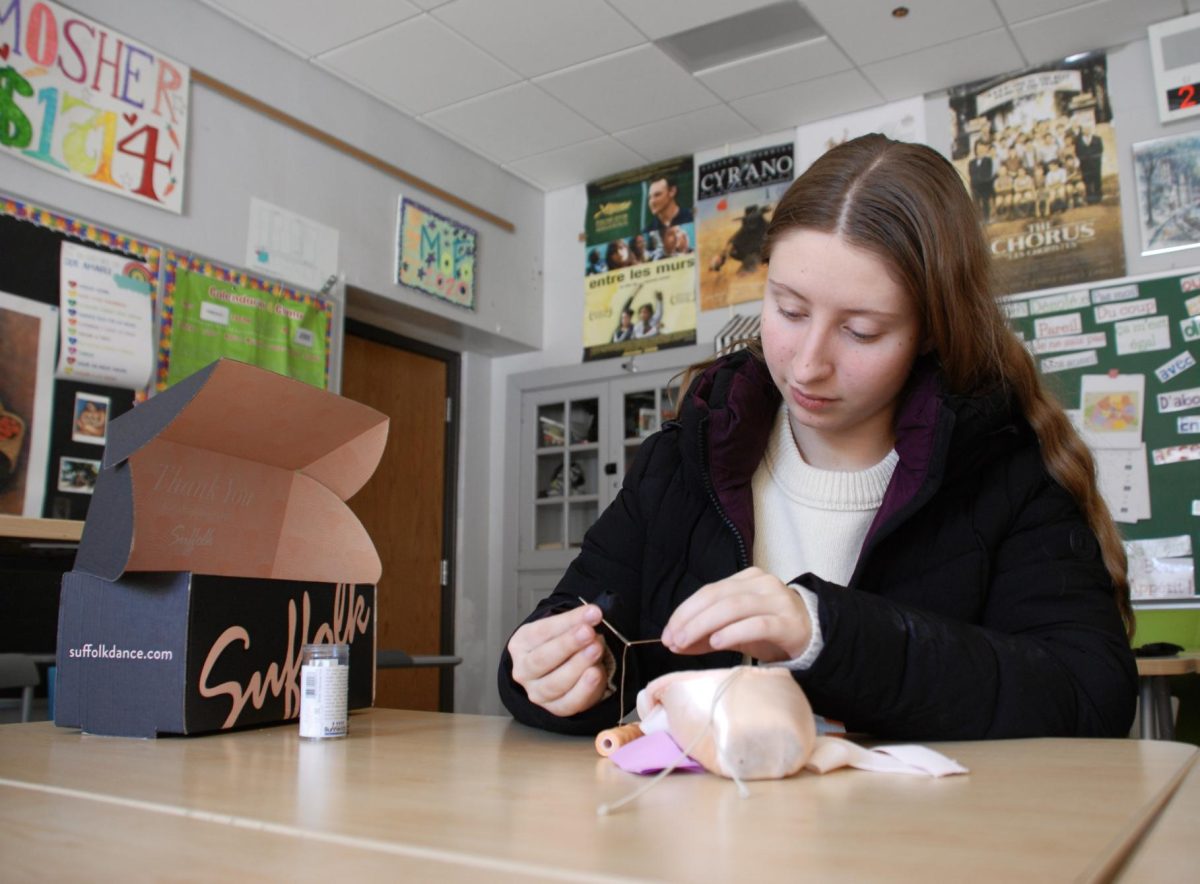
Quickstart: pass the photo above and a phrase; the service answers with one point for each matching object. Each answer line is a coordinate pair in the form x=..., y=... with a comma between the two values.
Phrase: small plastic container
x=324, y=691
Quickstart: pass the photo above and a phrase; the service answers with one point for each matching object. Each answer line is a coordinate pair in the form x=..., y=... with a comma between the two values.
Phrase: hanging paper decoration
x=436, y=255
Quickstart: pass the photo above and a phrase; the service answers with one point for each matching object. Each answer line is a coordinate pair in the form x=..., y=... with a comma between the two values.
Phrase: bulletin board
x=31, y=240
x=210, y=310
x=308, y=326
x=1099, y=350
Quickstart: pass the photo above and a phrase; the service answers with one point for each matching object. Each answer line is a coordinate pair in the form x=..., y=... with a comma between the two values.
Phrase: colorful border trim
x=93, y=233
x=215, y=270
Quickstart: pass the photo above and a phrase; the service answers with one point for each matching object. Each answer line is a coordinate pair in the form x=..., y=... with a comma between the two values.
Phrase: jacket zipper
x=743, y=558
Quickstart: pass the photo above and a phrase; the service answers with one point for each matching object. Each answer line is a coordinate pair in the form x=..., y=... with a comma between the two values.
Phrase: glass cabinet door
x=643, y=410
x=566, y=474
x=577, y=441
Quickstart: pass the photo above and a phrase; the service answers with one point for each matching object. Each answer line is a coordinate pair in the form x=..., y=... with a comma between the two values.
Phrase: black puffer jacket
x=979, y=607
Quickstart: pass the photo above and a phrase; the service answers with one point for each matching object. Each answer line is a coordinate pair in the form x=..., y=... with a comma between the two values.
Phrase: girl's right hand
x=558, y=660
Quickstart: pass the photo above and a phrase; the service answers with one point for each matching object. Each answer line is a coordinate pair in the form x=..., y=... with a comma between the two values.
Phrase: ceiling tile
x=873, y=35
x=430, y=4
x=420, y=65
x=660, y=18
x=1020, y=10
x=1098, y=25
x=628, y=88
x=539, y=36
x=579, y=162
x=687, y=133
x=804, y=102
x=311, y=27
x=950, y=64
x=771, y=70
x=515, y=122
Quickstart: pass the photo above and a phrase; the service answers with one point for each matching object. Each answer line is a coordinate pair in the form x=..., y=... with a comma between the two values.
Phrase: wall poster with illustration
x=1168, y=187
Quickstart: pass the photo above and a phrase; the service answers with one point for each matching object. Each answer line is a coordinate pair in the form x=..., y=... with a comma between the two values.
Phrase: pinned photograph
x=90, y=422
x=76, y=475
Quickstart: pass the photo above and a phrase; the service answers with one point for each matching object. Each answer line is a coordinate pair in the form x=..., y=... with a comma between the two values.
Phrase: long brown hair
x=906, y=204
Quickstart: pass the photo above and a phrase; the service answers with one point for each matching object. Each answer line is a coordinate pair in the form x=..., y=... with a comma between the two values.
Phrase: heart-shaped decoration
x=4, y=52
x=70, y=321
x=72, y=340
x=722, y=205
x=72, y=283
x=72, y=350
x=70, y=360
x=130, y=118
x=70, y=312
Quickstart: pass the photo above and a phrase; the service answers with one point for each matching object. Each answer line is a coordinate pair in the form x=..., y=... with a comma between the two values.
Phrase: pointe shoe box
x=217, y=543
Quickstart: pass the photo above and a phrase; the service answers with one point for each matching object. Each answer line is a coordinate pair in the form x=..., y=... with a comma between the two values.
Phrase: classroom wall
x=530, y=283
x=1130, y=83
x=1131, y=86
x=234, y=153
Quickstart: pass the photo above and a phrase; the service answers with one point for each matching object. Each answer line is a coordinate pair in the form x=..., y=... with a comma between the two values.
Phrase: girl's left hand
x=752, y=611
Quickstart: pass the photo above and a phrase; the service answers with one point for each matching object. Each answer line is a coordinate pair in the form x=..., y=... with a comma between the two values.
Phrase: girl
x=879, y=494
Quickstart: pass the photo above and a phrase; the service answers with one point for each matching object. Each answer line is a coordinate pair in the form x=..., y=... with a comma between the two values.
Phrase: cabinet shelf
x=559, y=500
x=574, y=448
x=582, y=435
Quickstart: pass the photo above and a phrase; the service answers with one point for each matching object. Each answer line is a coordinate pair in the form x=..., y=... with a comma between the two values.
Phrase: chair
x=20, y=671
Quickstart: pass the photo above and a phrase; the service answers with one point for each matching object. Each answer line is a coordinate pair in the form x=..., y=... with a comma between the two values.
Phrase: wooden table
x=1168, y=850
x=22, y=528
x=1156, y=720
x=424, y=796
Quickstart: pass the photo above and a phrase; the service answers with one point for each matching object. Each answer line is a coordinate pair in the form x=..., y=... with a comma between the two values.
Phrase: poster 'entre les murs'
x=640, y=283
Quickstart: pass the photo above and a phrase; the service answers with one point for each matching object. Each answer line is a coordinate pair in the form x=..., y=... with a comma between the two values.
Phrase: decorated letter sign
x=436, y=255
x=89, y=103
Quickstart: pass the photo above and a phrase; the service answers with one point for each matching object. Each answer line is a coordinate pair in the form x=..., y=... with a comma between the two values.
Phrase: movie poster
x=735, y=196
x=1038, y=153
x=640, y=279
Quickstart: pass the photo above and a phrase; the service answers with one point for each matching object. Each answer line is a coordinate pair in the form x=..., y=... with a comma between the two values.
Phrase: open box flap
x=236, y=471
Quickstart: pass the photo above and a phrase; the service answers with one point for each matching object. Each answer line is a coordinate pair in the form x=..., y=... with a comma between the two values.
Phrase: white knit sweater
x=812, y=520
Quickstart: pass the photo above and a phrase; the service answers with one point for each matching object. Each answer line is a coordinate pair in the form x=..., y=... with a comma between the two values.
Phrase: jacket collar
x=730, y=408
